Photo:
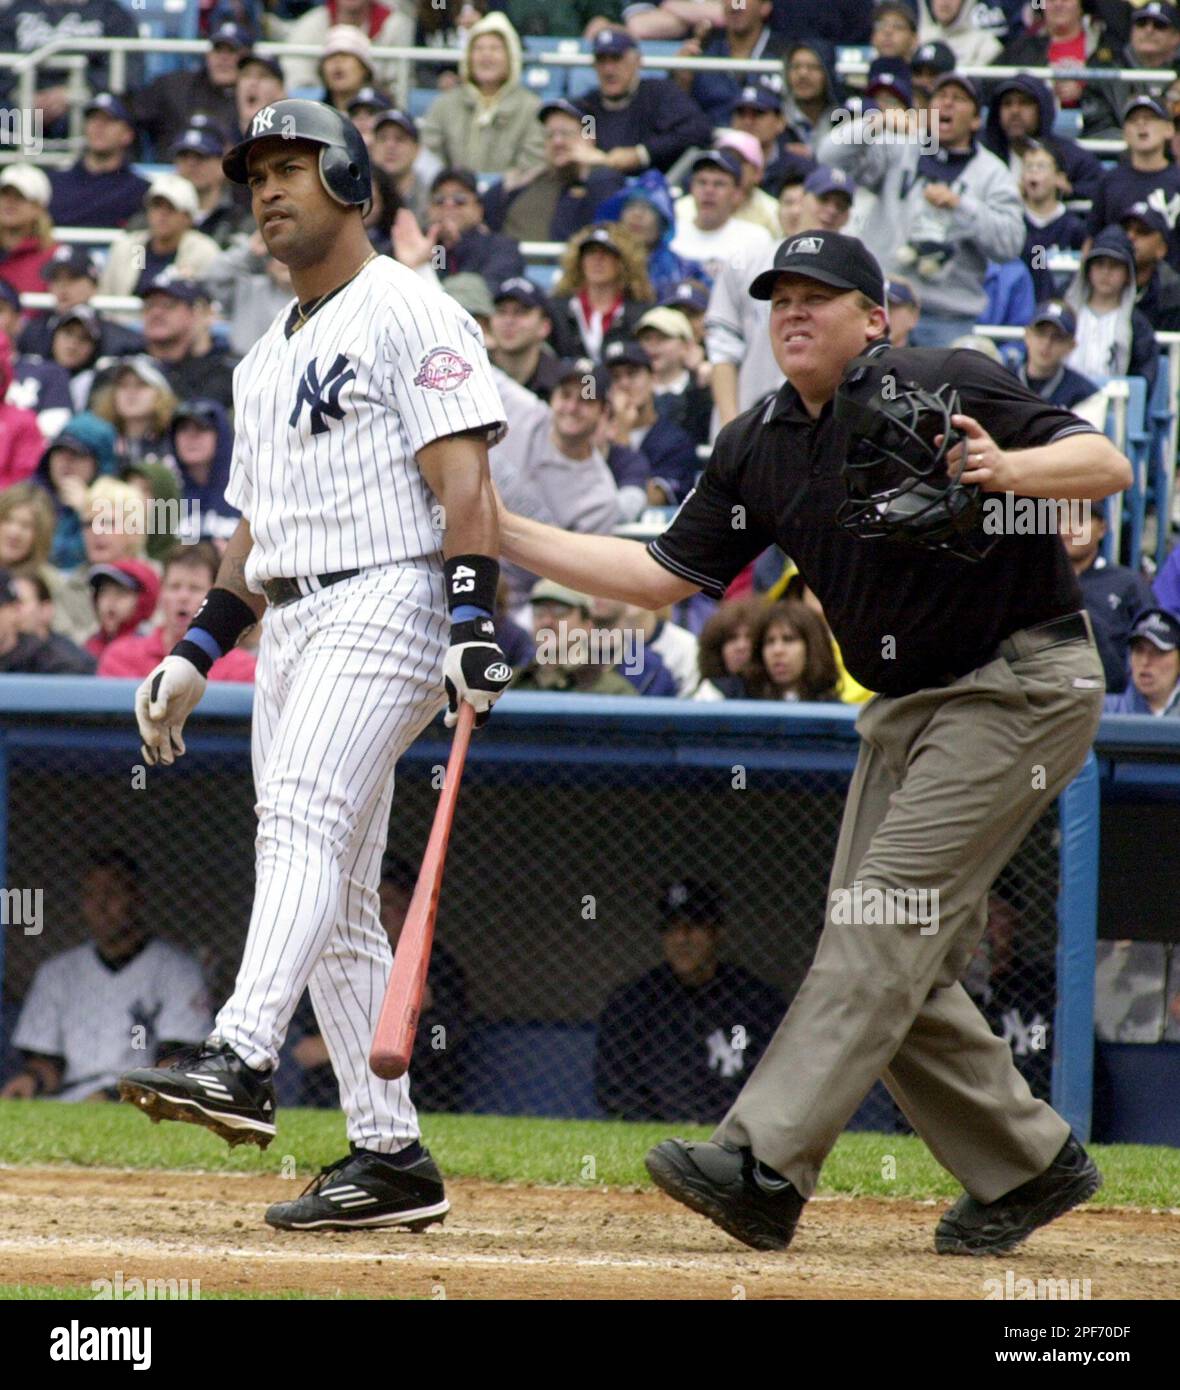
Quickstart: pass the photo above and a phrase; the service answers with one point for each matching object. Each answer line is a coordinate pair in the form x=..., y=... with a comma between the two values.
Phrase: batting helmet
x=899, y=482
x=344, y=160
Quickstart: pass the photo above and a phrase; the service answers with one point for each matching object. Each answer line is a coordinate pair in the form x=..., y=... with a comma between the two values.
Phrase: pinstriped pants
x=347, y=678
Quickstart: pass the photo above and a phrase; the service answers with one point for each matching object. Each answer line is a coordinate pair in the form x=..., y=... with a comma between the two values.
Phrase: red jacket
x=145, y=605
x=22, y=266
x=21, y=444
x=139, y=656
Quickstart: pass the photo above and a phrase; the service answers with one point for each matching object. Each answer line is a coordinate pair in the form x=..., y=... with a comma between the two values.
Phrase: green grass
x=572, y=1152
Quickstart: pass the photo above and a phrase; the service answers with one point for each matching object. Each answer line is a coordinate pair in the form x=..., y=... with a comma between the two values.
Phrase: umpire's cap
x=344, y=160
x=829, y=257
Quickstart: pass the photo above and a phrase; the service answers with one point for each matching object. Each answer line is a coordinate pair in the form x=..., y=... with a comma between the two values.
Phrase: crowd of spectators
x=668, y=194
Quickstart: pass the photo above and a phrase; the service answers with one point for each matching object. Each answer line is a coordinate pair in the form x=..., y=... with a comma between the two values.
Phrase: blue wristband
x=468, y=612
x=204, y=639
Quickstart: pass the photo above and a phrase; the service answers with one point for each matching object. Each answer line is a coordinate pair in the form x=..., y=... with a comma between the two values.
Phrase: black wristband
x=471, y=579
x=222, y=619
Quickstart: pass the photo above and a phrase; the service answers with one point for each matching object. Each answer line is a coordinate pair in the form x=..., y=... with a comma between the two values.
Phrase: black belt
x=280, y=591
x=1055, y=633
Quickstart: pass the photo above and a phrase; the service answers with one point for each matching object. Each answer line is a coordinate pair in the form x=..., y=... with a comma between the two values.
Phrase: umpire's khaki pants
x=948, y=783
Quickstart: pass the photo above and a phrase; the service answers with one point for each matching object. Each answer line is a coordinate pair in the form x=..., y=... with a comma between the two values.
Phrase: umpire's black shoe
x=976, y=1228
x=363, y=1189
x=723, y=1182
x=208, y=1085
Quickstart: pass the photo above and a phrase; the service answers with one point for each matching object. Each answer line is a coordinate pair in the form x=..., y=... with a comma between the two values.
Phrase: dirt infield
x=68, y=1226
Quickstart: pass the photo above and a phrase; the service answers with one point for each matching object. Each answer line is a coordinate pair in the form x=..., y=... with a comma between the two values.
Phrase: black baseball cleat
x=724, y=1183
x=362, y=1190
x=978, y=1228
x=208, y=1085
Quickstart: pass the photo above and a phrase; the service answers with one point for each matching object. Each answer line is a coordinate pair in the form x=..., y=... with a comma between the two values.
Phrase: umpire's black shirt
x=775, y=476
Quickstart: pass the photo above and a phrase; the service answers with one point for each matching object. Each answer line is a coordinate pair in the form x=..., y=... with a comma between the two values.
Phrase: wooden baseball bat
x=393, y=1042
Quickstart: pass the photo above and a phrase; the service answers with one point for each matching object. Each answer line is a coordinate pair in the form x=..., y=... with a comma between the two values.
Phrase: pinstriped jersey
x=329, y=418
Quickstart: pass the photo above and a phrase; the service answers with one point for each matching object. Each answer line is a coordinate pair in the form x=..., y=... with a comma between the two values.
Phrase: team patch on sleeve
x=442, y=369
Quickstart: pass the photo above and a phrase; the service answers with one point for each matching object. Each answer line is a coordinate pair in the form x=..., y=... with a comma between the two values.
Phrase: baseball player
x=991, y=694
x=363, y=418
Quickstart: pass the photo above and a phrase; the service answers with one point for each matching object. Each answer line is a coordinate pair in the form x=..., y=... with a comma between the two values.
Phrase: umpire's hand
x=162, y=704
x=475, y=670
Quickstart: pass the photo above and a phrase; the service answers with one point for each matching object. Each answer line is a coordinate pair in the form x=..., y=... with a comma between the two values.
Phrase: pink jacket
x=21, y=443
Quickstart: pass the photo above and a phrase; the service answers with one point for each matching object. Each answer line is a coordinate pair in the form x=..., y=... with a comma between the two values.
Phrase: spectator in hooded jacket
x=1021, y=114
x=941, y=215
x=26, y=229
x=202, y=444
x=84, y=451
x=564, y=193
x=957, y=24
x=165, y=108
x=645, y=209
x=1114, y=339
x=813, y=90
x=602, y=292
x=125, y=594
x=489, y=120
x=1157, y=285
x=744, y=32
x=101, y=189
x=21, y=443
x=1155, y=43
x=75, y=345
x=189, y=573
x=639, y=122
x=1145, y=174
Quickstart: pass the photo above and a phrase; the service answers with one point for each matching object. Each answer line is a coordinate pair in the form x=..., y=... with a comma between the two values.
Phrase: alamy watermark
x=154, y=516
x=859, y=906
x=594, y=646
x=23, y=127
x=121, y=1288
x=1060, y=1290
x=886, y=128
x=23, y=907
x=1005, y=514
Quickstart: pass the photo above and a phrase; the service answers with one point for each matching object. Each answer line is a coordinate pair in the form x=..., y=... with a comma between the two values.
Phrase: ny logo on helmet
x=264, y=120
x=323, y=397
x=806, y=246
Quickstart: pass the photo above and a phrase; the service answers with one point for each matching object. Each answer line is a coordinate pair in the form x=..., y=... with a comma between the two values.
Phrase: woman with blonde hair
x=603, y=291
x=27, y=523
x=138, y=401
x=26, y=229
x=792, y=657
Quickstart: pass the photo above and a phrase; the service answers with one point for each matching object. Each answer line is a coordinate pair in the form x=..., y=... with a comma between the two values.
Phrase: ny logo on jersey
x=144, y=1017
x=323, y=397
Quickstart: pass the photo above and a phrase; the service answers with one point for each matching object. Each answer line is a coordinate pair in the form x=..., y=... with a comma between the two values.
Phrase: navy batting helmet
x=344, y=160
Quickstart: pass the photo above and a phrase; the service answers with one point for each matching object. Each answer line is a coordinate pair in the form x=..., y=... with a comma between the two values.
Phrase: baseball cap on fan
x=690, y=900
x=1159, y=627
x=844, y=262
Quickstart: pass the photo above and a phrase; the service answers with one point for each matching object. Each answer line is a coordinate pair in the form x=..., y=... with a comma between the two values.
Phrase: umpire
x=991, y=690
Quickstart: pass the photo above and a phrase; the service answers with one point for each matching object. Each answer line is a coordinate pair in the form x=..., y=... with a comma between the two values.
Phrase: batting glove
x=475, y=670
x=162, y=704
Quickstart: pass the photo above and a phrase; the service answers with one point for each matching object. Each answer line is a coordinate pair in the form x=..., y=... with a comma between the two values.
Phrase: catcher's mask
x=899, y=483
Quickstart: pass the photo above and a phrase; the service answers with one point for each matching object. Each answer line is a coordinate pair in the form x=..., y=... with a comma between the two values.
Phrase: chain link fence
x=620, y=931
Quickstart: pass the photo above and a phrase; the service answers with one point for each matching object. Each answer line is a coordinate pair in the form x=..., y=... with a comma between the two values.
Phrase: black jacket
x=165, y=107
x=496, y=258
x=1159, y=300
x=566, y=338
x=660, y=116
x=57, y=656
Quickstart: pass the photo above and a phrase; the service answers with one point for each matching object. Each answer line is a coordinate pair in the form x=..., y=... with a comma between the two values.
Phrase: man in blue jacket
x=670, y=453
x=101, y=189
x=639, y=123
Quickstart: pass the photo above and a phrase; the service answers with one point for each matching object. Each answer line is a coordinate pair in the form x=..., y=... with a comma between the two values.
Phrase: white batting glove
x=474, y=670
x=162, y=703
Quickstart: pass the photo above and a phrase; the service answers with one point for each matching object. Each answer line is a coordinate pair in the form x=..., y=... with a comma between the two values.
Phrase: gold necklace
x=305, y=314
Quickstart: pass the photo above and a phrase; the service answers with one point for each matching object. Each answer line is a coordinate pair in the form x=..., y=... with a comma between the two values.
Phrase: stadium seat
x=531, y=1069
x=543, y=276
x=420, y=101
x=1067, y=124
x=1160, y=412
